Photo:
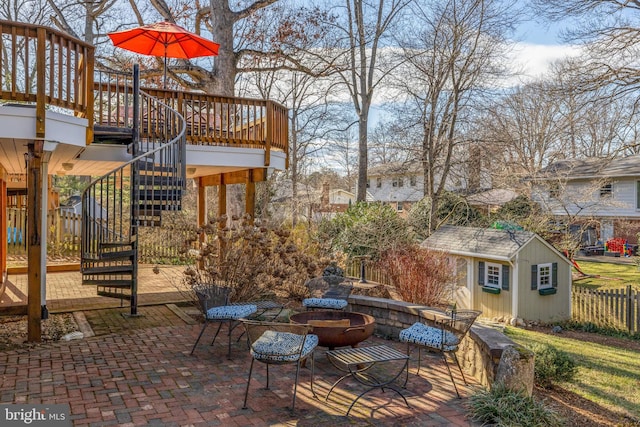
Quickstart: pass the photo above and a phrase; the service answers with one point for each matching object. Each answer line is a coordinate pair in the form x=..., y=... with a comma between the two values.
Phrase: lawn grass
x=609, y=376
x=609, y=275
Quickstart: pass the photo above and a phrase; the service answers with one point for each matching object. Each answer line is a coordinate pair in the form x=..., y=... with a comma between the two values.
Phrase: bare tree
x=610, y=35
x=247, y=32
x=452, y=53
x=524, y=131
x=362, y=27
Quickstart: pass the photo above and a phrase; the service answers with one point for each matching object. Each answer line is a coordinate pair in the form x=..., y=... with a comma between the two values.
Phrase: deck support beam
x=34, y=240
x=202, y=214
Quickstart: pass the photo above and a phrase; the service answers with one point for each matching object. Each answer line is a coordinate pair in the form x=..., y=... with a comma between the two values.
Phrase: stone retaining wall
x=479, y=353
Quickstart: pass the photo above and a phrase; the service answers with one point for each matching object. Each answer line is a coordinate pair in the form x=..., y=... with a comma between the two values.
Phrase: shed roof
x=479, y=242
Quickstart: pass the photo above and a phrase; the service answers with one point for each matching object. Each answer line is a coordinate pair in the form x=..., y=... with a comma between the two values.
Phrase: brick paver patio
x=138, y=371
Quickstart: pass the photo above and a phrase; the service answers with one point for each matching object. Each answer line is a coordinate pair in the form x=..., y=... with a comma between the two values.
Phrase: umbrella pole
x=164, y=84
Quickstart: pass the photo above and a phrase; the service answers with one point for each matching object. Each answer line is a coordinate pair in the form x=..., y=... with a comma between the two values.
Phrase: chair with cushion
x=328, y=292
x=444, y=337
x=215, y=306
x=275, y=343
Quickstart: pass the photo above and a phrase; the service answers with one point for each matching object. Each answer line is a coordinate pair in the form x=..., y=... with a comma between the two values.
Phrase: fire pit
x=337, y=328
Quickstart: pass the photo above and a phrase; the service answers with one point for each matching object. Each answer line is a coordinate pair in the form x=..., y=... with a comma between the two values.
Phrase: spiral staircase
x=134, y=195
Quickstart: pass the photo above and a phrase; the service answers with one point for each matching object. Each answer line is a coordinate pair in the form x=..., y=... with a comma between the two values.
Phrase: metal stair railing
x=134, y=194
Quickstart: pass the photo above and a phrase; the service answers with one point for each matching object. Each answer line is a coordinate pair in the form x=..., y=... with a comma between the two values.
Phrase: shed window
x=378, y=182
x=493, y=275
x=544, y=276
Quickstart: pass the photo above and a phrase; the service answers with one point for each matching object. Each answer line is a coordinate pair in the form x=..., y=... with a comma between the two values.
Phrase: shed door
x=464, y=279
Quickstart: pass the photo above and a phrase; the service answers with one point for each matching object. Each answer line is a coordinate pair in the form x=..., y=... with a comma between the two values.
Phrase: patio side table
x=357, y=361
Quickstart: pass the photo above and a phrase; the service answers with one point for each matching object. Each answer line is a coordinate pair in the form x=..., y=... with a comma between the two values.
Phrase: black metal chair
x=444, y=337
x=214, y=303
x=275, y=343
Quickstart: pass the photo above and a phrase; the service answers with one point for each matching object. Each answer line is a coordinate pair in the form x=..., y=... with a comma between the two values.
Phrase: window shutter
x=481, y=273
x=505, y=277
x=554, y=275
x=534, y=277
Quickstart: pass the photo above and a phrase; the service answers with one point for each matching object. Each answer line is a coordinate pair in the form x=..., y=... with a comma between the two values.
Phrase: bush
x=364, y=229
x=502, y=407
x=420, y=276
x=255, y=261
x=552, y=365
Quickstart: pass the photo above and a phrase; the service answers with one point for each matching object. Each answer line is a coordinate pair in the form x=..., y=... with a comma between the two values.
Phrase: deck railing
x=211, y=119
x=43, y=66
x=49, y=68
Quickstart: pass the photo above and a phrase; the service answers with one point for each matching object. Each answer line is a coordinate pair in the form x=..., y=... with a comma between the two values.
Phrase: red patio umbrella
x=164, y=39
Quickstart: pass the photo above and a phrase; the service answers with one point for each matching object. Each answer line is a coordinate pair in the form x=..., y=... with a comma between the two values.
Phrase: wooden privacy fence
x=63, y=228
x=372, y=273
x=609, y=308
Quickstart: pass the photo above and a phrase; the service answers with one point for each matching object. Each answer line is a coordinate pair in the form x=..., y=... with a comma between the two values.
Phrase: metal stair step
x=173, y=194
x=108, y=269
x=159, y=180
x=111, y=292
x=117, y=255
x=151, y=166
x=111, y=283
x=107, y=245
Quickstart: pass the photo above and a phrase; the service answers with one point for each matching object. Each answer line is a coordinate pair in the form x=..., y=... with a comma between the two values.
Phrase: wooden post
x=250, y=197
x=202, y=214
x=222, y=203
x=40, y=82
x=34, y=243
x=222, y=211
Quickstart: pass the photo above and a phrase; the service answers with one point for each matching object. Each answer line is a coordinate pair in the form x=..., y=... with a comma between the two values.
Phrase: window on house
x=413, y=180
x=368, y=183
x=399, y=206
x=638, y=195
x=606, y=190
x=397, y=182
x=554, y=190
x=378, y=182
x=494, y=275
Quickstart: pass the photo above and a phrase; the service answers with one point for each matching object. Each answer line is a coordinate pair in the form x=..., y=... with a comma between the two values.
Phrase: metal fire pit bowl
x=332, y=328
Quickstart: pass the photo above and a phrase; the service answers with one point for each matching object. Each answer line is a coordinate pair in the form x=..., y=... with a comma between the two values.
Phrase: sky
x=538, y=46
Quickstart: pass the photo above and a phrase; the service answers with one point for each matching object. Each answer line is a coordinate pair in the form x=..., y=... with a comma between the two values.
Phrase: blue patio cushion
x=336, y=304
x=231, y=312
x=428, y=336
x=275, y=346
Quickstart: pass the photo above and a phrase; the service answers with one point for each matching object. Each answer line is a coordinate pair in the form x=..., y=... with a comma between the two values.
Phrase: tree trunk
x=222, y=20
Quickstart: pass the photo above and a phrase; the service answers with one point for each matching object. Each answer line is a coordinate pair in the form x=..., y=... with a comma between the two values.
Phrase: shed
x=506, y=273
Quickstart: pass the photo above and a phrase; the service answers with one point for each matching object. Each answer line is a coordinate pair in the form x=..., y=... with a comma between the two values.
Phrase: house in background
x=506, y=274
x=401, y=184
x=313, y=204
x=331, y=202
x=488, y=202
x=601, y=191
